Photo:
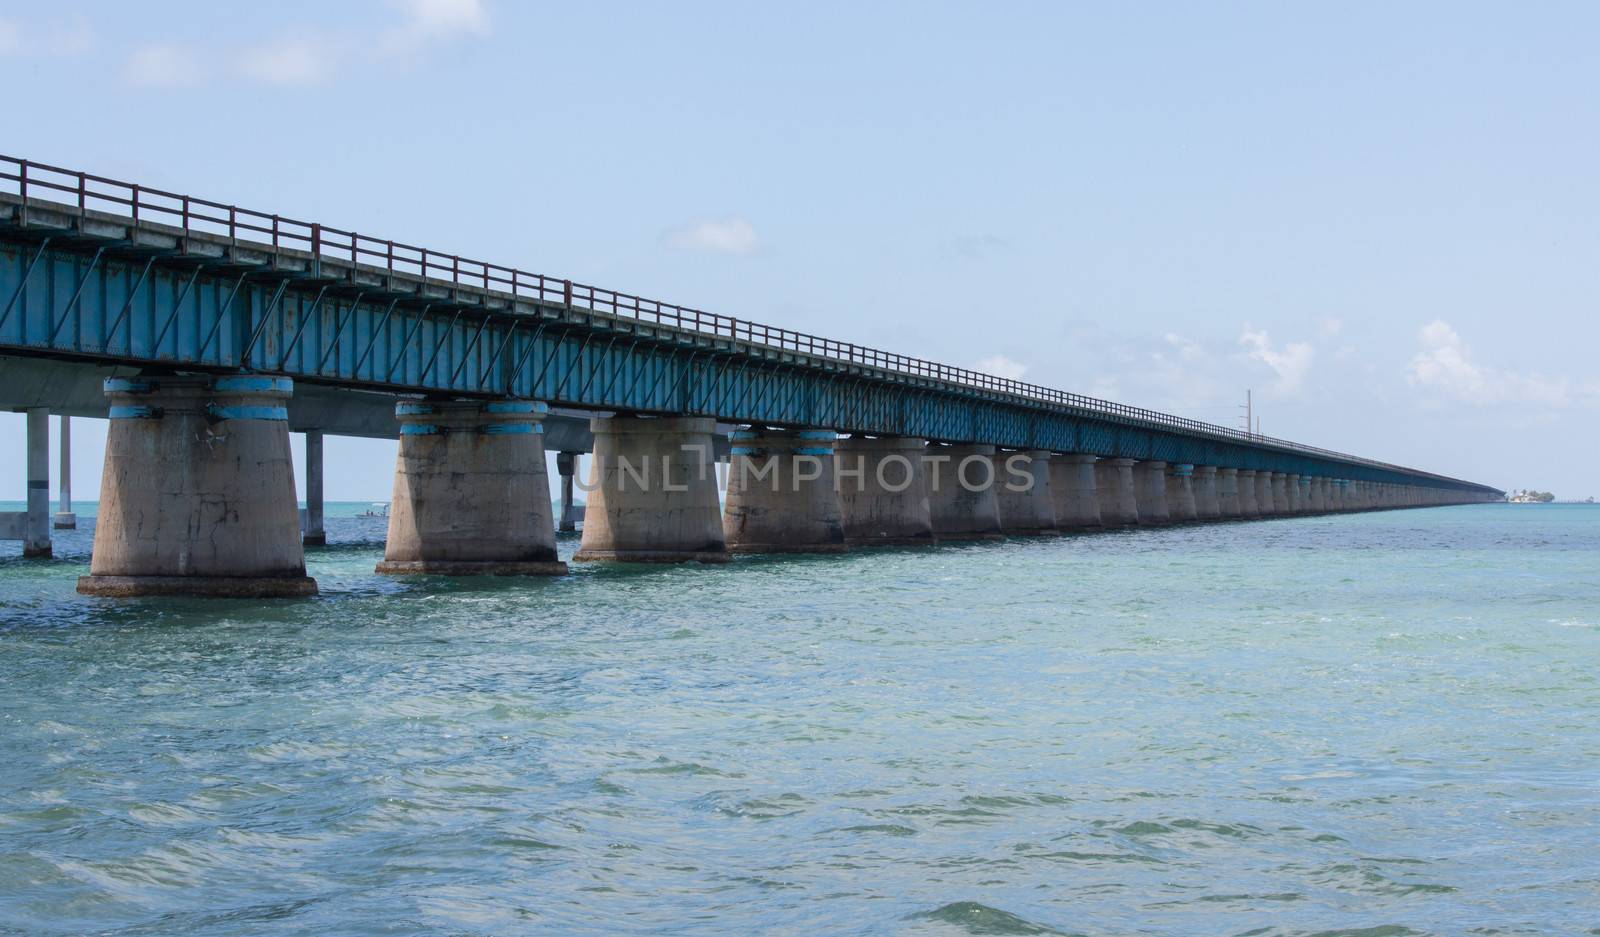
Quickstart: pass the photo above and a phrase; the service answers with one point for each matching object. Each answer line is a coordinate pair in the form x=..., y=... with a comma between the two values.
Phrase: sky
x=1381, y=219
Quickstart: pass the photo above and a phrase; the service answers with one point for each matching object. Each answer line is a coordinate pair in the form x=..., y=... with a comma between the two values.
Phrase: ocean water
x=1379, y=724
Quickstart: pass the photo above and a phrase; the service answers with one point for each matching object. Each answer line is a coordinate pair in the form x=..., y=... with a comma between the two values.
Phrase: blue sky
x=1384, y=219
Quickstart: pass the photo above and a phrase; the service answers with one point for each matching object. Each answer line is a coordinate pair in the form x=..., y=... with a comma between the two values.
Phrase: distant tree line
x=1528, y=494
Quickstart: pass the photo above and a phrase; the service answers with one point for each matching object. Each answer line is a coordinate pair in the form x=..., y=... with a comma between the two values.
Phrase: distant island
x=1529, y=496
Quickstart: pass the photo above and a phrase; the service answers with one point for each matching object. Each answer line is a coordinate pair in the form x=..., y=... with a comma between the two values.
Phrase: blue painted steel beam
x=84, y=298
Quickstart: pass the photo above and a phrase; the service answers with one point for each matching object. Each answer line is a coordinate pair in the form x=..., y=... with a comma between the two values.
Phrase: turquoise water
x=1376, y=724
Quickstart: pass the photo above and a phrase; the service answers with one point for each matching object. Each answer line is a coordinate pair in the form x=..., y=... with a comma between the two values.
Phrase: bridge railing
x=31, y=180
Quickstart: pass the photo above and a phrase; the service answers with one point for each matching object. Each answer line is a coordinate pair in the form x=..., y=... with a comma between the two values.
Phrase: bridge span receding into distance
x=207, y=332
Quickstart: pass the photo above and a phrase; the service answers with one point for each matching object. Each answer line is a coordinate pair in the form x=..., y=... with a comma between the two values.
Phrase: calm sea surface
x=1381, y=724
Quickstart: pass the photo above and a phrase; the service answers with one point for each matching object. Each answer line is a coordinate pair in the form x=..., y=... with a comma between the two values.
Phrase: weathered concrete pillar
x=1322, y=495
x=1122, y=486
x=1291, y=488
x=1282, y=503
x=1247, y=493
x=883, y=491
x=566, y=467
x=1072, y=486
x=471, y=493
x=1266, y=494
x=962, y=502
x=1152, y=494
x=781, y=493
x=1022, y=488
x=314, y=533
x=65, y=519
x=1181, y=506
x=197, y=496
x=1207, y=499
x=652, y=492
x=1227, y=489
x=1308, y=504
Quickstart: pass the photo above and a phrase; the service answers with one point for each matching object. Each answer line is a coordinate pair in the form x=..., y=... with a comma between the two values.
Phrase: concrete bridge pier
x=1266, y=495
x=1022, y=488
x=1072, y=487
x=1282, y=503
x=883, y=491
x=65, y=519
x=1152, y=494
x=471, y=493
x=781, y=493
x=1295, y=494
x=1247, y=493
x=197, y=496
x=653, y=492
x=1227, y=492
x=1181, y=507
x=1207, y=497
x=1114, y=482
x=962, y=502
x=566, y=467
x=314, y=534
x=1309, y=502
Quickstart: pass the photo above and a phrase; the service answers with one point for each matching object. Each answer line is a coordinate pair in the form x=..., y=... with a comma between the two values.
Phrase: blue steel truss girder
x=82, y=298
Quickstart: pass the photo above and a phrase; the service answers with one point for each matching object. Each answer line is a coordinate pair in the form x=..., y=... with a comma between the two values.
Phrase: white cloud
x=1187, y=350
x=1445, y=365
x=1330, y=327
x=286, y=62
x=731, y=235
x=431, y=21
x=1291, y=364
x=70, y=38
x=1001, y=366
x=162, y=65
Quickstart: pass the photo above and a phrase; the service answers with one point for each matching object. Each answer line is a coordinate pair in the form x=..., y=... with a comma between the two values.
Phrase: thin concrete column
x=1022, y=489
x=1324, y=494
x=566, y=467
x=65, y=519
x=1247, y=493
x=1180, y=494
x=1152, y=494
x=1072, y=486
x=1308, y=495
x=883, y=491
x=471, y=491
x=1227, y=488
x=1207, y=499
x=314, y=534
x=962, y=503
x=197, y=496
x=36, y=528
x=652, y=492
x=782, y=496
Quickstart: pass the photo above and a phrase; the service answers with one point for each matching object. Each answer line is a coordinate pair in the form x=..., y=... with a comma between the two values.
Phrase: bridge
x=207, y=332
